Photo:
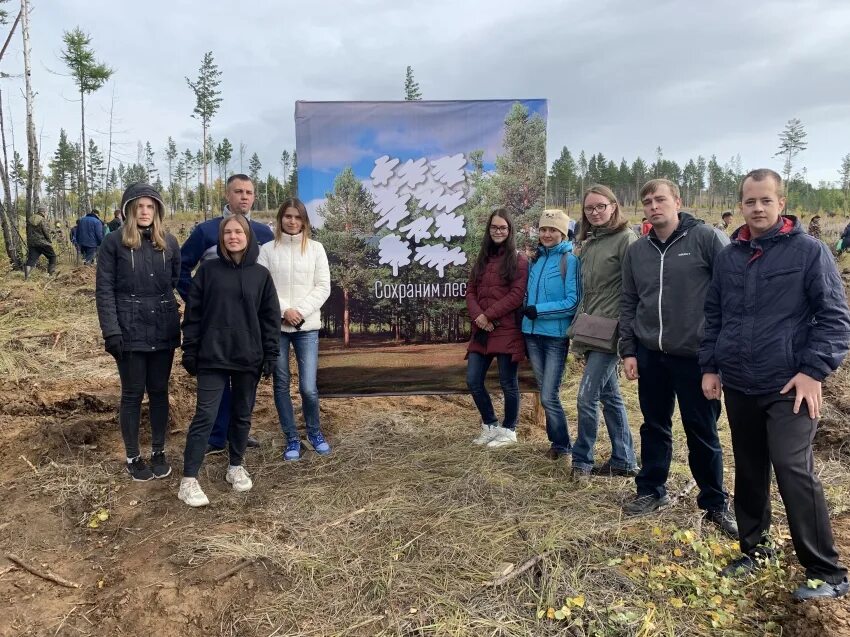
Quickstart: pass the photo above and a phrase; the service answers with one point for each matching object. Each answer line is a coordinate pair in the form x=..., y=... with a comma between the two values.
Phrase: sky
x=621, y=77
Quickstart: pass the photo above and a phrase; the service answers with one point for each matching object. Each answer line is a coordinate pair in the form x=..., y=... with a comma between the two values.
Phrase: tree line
x=704, y=183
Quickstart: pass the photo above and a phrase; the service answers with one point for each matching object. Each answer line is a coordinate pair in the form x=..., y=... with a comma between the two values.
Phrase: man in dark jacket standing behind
x=777, y=324
x=665, y=278
x=89, y=235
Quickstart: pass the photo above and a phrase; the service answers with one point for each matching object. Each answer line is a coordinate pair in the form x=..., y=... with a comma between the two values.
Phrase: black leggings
x=140, y=371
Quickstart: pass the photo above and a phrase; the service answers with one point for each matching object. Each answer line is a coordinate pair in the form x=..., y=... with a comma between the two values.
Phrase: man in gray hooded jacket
x=666, y=275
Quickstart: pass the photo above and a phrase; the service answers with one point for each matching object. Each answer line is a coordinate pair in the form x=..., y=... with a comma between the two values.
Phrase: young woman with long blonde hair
x=137, y=271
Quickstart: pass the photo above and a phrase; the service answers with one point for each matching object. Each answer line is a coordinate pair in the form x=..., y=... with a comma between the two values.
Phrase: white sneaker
x=239, y=478
x=502, y=437
x=486, y=435
x=191, y=493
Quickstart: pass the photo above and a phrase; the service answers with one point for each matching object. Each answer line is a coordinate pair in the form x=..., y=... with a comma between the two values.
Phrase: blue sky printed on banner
x=333, y=135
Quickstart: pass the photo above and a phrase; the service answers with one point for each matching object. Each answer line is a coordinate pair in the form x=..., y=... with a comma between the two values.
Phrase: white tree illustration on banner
x=419, y=229
x=394, y=251
x=439, y=256
x=437, y=186
x=391, y=207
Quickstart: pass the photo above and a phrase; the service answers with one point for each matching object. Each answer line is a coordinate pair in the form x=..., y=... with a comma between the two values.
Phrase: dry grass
x=399, y=531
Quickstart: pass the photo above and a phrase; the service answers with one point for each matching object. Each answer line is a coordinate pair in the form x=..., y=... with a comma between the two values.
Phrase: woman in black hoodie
x=231, y=330
x=137, y=270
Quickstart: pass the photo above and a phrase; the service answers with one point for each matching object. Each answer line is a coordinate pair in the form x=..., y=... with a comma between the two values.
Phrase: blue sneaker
x=320, y=445
x=293, y=450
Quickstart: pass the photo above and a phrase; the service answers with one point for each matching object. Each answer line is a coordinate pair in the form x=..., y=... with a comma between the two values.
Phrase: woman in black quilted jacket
x=137, y=271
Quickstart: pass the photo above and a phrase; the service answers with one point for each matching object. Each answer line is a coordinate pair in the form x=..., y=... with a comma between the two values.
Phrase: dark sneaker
x=643, y=504
x=580, y=474
x=725, y=521
x=609, y=471
x=212, y=450
x=139, y=471
x=746, y=564
x=253, y=443
x=555, y=454
x=824, y=589
x=159, y=465
x=319, y=444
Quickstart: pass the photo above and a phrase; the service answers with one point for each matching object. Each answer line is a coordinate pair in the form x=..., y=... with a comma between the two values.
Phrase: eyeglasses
x=598, y=208
x=500, y=229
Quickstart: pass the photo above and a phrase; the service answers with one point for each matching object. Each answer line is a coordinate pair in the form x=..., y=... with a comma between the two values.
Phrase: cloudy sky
x=622, y=77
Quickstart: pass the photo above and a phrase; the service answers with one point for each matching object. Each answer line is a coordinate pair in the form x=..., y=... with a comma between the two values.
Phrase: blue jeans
x=600, y=384
x=476, y=372
x=306, y=346
x=548, y=356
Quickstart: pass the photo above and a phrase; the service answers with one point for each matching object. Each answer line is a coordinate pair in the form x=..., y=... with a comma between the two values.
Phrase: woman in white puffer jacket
x=299, y=268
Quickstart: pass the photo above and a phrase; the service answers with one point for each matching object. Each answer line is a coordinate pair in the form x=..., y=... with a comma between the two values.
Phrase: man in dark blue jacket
x=89, y=235
x=202, y=245
x=777, y=324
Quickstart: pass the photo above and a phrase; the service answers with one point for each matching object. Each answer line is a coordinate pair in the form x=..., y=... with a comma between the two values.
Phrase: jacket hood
x=226, y=212
x=787, y=225
x=134, y=191
x=564, y=246
x=249, y=258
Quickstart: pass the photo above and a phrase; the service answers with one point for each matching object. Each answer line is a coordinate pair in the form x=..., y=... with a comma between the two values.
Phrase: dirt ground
x=404, y=530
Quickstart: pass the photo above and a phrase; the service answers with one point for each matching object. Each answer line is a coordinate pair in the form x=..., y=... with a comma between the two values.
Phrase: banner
x=399, y=193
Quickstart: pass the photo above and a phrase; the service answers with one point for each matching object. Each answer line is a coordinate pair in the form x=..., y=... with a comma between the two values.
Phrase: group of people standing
x=255, y=294
x=760, y=320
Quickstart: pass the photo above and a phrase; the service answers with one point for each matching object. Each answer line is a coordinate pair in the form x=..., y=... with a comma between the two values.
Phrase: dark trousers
x=476, y=373
x=218, y=435
x=211, y=383
x=765, y=432
x=664, y=379
x=35, y=253
x=140, y=371
x=89, y=253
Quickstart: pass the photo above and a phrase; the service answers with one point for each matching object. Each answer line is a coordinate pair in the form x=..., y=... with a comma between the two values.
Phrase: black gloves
x=115, y=346
x=190, y=364
x=268, y=367
x=530, y=312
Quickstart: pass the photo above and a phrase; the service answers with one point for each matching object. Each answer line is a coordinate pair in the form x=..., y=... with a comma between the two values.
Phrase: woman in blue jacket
x=550, y=304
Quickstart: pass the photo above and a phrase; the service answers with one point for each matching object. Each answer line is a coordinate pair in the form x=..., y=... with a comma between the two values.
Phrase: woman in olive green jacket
x=604, y=236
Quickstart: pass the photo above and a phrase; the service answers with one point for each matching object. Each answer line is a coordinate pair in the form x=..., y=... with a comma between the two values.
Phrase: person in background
x=231, y=334
x=201, y=245
x=39, y=243
x=89, y=235
x=605, y=238
x=551, y=299
x=845, y=239
x=116, y=221
x=137, y=270
x=645, y=227
x=666, y=275
x=493, y=294
x=777, y=324
x=814, y=227
x=725, y=222
x=302, y=278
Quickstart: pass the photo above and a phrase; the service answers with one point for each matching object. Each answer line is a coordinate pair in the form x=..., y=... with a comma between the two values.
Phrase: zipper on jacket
x=661, y=284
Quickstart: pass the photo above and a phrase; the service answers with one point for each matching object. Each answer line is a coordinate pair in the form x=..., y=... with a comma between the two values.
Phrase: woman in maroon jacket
x=495, y=290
